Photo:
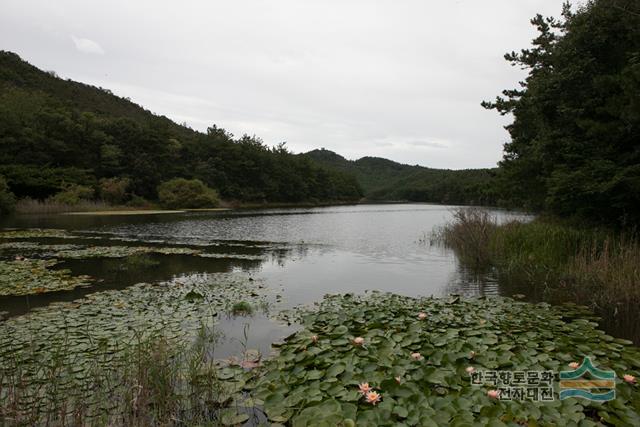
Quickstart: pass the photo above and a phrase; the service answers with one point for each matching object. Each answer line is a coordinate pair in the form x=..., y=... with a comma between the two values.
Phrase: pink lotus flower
x=358, y=341
x=373, y=397
x=574, y=365
x=494, y=394
x=314, y=338
x=470, y=369
x=364, y=388
x=416, y=356
x=422, y=315
x=629, y=379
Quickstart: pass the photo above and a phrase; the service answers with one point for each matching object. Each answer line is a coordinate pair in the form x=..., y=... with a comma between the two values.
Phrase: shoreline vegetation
x=32, y=207
x=551, y=260
x=86, y=207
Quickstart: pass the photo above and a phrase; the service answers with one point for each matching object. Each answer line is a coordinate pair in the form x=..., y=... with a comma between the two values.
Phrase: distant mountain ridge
x=383, y=179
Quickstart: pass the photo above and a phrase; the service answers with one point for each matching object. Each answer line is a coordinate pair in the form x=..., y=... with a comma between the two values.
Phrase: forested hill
x=57, y=133
x=383, y=179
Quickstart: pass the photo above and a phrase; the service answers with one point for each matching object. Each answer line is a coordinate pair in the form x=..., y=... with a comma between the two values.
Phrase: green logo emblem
x=598, y=386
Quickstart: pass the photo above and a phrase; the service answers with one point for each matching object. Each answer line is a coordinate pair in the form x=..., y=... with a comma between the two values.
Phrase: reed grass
x=48, y=206
x=470, y=235
x=52, y=206
x=557, y=262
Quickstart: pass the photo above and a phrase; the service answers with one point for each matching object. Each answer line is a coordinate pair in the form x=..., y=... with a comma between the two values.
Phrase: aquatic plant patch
x=68, y=251
x=51, y=356
x=29, y=247
x=386, y=359
x=125, y=251
x=32, y=233
x=34, y=276
x=121, y=251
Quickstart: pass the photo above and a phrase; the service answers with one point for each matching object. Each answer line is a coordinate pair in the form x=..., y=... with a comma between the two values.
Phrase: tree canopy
x=181, y=193
x=56, y=133
x=575, y=135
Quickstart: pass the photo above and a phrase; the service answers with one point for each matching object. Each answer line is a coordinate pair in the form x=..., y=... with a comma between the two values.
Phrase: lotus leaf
x=436, y=390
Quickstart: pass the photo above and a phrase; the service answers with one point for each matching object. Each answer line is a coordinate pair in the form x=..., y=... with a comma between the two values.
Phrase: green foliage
x=575, y=138
x=314, y=378
x=383, y=179
x=114, y=190
x=186, y=193
x=73, y=194
x=7, y=199
x=543, y=243
x=56, y=132
x=40, y=182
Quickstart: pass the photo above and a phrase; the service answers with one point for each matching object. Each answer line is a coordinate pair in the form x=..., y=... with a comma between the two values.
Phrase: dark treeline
x=58, y=133
x=575, y=138
x=383, y=179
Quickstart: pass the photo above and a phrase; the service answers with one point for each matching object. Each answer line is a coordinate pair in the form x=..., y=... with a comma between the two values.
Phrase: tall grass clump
x=48, y=206
x=470, y=235
x=554, y=261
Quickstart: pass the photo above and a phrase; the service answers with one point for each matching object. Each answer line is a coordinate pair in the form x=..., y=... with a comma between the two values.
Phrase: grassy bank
x=553, y=261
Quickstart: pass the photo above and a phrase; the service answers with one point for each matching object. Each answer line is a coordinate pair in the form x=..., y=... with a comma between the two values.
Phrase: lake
x=297, y=255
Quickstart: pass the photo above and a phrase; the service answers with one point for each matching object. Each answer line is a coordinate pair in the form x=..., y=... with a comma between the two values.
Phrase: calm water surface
x=301, y=254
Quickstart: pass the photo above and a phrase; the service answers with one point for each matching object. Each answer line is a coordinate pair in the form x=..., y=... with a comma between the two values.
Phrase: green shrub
x=73, y=194
x=7, y=199
x=114, y=190
x=140, y=202
x=181, y=193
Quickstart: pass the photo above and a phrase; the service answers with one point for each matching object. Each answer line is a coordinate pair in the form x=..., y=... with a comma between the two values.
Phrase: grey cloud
x=87, y=46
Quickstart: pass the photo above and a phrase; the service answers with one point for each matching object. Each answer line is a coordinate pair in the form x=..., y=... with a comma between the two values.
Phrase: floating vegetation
x=50, y=356
x=139, y=261
x=393, y=360
x=85, y=252
x=121, y=252
x=34, y=247
x=32, y=233
x=242, y=308
x=34, y=276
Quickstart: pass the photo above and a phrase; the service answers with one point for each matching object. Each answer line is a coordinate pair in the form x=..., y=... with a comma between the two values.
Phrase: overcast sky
x=398, y=79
